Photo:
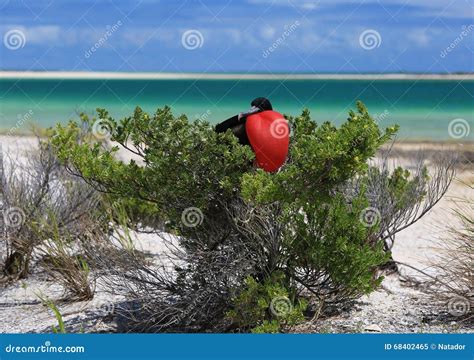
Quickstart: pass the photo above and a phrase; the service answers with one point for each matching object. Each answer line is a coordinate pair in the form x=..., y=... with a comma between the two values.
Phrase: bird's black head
x=262, y=103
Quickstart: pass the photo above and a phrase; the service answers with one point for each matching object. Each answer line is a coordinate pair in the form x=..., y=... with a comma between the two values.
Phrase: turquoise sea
x=423, y=108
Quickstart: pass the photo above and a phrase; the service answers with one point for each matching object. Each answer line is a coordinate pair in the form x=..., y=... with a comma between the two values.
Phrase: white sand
x=226, y=76
x=394, y=308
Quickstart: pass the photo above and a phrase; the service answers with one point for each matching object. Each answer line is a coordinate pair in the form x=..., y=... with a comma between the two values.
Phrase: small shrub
x=66, y=264
x=237, y=236
x=266, y=307
x=453, y=287
x=38, y=190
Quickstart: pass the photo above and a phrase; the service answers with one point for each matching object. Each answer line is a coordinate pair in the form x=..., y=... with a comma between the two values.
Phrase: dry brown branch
x=37, y=189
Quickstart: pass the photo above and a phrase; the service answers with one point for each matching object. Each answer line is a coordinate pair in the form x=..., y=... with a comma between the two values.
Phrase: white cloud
x=309, y=5
x=309, y=42
x=268, y=32
x=419, y=37
x=235, y=35
x=46, y=34
x=434, y=8
x=43, y=34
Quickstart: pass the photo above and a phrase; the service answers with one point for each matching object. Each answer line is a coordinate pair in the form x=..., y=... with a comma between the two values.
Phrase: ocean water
x=423, y=108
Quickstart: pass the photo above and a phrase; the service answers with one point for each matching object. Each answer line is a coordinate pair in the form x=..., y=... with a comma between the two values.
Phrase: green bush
x=266, y=307
x=184, y=165
x=255, y=236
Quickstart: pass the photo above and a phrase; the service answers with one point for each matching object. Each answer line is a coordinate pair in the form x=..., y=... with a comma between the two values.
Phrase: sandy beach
x=226, y=76
x=395, y=307
x=284, y=177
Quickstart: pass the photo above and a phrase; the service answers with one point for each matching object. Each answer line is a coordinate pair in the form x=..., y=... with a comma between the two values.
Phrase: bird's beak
x=252, y=110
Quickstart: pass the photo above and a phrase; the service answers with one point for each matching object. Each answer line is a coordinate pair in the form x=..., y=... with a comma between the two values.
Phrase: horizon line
x=6, y=74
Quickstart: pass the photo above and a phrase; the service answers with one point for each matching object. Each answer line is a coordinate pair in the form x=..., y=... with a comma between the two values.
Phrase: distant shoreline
x=467, y=144
x=216, y=76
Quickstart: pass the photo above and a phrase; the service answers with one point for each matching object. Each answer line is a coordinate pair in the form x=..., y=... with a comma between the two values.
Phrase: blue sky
x=236, y=36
